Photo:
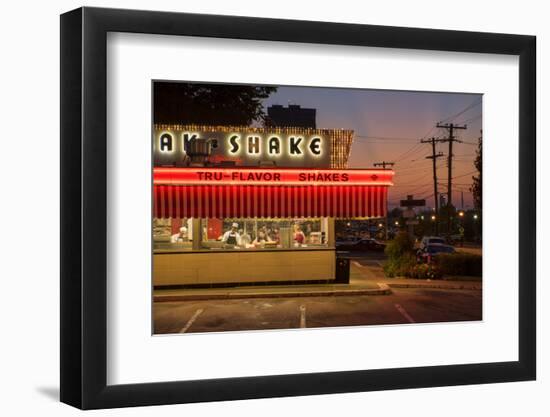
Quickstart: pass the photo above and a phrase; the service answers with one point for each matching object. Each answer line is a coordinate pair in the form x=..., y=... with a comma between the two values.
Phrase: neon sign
x=274, y=146
x=246, y=147
x=260, y=176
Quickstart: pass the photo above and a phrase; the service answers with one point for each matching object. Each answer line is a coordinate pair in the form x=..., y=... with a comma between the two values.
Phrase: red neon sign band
x=261, y=176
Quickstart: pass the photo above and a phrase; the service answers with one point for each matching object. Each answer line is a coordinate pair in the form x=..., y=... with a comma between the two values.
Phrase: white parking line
x=360, y=265
x=404, y=313
x=303, y=316
x=192, y=320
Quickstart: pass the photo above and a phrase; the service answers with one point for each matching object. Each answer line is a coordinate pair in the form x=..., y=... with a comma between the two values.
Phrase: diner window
x=264, y=233
x=172, y=234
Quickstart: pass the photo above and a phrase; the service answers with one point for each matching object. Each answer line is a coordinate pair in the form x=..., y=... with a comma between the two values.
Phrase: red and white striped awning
x=178, y=195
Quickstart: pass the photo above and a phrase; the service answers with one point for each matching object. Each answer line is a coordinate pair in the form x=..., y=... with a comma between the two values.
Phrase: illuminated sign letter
x=166, y=142
x=295, y=145
x=187, y=137
x=274, y=146
x=315, y=146
x=253, y=144
x=234, y=142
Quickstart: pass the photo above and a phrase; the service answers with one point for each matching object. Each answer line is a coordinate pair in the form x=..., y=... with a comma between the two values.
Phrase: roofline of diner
x=258, y=129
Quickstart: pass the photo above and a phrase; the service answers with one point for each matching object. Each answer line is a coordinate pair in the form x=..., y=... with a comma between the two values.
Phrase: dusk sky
x=388, y=126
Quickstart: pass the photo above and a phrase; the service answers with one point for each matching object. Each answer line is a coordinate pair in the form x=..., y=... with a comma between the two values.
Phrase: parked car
x=364, y=244
x=431, y=251
x=429, y=240
x=347, y=239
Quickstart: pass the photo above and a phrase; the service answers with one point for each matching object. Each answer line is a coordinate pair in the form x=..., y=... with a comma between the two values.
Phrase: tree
x=209, y=104
x=476, y=186
x=396, y=213
x=448, y=213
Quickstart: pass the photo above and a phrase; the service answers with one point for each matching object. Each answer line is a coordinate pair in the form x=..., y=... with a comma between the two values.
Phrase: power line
x=384, y=138
x=414, y=177
x=427, y=196
x=428, y=133
x=475, y=103
x=422, y=188
x=456, y=187
x=416, y=167
x=465, y=142
x=419, y=190
x=471, y=119
x=416, y=148
x=415, y=184
x=408, y=151
x=411, y=154
x=463, y=175
x=411, y=166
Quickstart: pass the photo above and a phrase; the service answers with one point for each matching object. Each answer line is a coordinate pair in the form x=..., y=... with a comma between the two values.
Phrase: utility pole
x=434, y=157
x=383, y=164
x=450, y=139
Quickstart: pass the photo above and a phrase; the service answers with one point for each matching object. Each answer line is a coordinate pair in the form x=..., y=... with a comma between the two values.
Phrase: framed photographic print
x=256, y=208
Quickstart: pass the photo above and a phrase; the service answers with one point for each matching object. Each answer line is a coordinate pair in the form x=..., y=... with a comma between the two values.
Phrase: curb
x=439, y=286
x=383, y=289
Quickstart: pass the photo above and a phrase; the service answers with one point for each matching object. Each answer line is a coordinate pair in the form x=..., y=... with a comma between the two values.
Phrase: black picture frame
x=84, y=207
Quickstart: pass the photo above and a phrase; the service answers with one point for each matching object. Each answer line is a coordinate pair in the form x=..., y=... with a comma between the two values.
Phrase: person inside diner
x=275, y=235
x=245, y=238
x=181, y=236
x=261, y=238
x=299, y=236
x=232, y=236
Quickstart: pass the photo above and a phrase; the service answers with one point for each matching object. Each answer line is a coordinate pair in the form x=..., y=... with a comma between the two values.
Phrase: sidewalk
x=436, y=283
x=364, y=280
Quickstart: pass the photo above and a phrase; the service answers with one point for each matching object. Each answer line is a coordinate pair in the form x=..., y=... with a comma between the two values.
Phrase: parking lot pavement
x=404, y=306
x=366, y=256
x=468, y=249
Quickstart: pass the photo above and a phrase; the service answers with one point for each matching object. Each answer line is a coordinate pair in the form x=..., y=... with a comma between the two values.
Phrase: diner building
x=248, y=205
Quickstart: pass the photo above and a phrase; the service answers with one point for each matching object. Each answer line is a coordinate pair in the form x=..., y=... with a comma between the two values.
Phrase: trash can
x=342, y=270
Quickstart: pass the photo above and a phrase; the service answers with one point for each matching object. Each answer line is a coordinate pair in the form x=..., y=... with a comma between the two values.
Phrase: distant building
x=291, y=116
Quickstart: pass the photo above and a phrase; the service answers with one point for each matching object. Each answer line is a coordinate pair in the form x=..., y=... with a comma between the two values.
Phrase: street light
x=433, y=217
x=475, y=216
x=461, y=213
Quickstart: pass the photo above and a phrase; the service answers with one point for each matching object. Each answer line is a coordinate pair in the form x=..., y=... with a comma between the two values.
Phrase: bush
x=459, y=264
x=425, y=271
x=402, y=262
x=400, y=246
x=399, y=266
x=409, y=268
x=390, y=269
x=401, y=258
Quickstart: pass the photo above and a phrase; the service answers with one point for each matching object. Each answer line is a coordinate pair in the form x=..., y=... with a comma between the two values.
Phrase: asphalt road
x=404, y=306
